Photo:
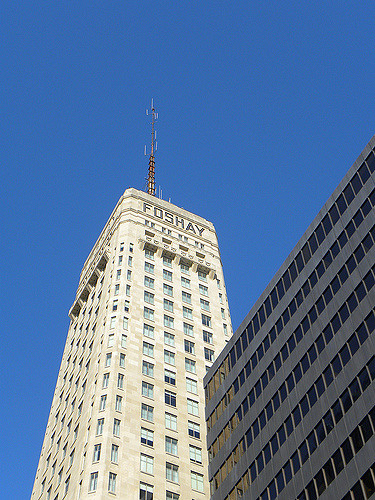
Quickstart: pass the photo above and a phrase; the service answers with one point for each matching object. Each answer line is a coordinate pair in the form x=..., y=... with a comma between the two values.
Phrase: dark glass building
x=290, y=401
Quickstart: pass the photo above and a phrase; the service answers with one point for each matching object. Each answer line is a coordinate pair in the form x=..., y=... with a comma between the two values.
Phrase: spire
x=154, y=146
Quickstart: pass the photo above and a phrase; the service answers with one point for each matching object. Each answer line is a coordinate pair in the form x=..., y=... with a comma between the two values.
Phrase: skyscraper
x=150, y=314
x=290, y=400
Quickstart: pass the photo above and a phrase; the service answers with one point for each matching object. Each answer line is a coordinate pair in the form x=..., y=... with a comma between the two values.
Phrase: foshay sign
x=174, y=219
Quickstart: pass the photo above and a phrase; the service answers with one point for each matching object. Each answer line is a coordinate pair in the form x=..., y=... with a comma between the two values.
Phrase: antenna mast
x=154, y=146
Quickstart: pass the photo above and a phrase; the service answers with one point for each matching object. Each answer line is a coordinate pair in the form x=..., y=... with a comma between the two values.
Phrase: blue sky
x=263, y=107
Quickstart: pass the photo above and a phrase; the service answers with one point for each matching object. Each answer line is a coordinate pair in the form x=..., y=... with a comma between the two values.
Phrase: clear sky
x=263, y=107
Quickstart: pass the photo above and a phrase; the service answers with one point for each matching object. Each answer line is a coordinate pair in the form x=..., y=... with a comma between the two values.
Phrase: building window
x=171, y=472
x=108, y=359
x=149, y=268
x=189, y=346
x=66, y=486
x=97, y=450
x=209, y=354
x=131, y=246
x=169, y=338
x=117, y=289
x=148, y=349
x=220, y=298
x=194, y=430
x=167, y=275
x=208, y=337
x=195, y=454
x=129, y=275
x=191, y=385
x=168, y=289
x=186, y=297
x=149, y=282
x=172, y=496
x=147, y=437
x=103, y=401
x=202, y=276
x=167, y=261
x=171, y=445
x=190, y=365
x=147, y=464
x=192, y=407
x=120, y=381
x=130, y=261
x=93, y=481
x=222, y=313
x=203, y=290
x=123, y=340
x=147, y=368
x=112, y=322
x=146, y=491
x=105, y=380
x=127, y=290
x=169, y=377
x=187, y=313
x=121, y=247
x=118, y=403
x=116, y=427
x=196, y=481
x=115, y=305
x=149, y=254
x=147, y=413
x=170, y=398
x=168, y=305
x=122, y=360
x=206, y=320
x=126, y=306
x=118, y=274
x=114, y=454
x=148, y=331
x=185, y=268
x=99, y=427
x=185, y=282
x=171, y=421
x=169, y=357
x=112, y=482
x=205, y=305
x=149, y=297
x=188, y=329
x=225, y=329
x=147, y=390
x=111, y=340
x=168, y=321
x=148, y=313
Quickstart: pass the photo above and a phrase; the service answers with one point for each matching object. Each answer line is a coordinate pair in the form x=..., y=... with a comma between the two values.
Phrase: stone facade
x=150, y=314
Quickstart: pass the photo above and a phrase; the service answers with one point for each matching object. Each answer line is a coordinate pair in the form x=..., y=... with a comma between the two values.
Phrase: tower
x=149, y=316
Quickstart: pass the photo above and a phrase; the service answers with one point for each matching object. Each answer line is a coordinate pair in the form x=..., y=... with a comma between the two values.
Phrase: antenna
x=154, y=146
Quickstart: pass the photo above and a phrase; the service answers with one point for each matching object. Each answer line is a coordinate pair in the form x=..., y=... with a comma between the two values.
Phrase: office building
x=149, y=317
x=290, y=402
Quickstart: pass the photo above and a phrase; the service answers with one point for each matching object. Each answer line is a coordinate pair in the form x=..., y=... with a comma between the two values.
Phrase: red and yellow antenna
x=154, y=147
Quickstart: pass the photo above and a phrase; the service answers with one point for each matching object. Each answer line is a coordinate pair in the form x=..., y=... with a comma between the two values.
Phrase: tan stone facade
x=150, y=314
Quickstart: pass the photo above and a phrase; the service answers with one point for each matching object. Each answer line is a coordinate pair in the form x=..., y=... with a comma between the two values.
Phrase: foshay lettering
x=172, y=219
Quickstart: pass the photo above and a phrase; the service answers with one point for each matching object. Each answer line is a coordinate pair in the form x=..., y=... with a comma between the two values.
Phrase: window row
x=98, y=450
x=364, y=488
x=341, y=458
x=103, y=402
x=169, y=338
x=93, y=484
x=316, y=310
x=290, y=275
x=347, y=351
x=341, y=406
x=146, y=491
